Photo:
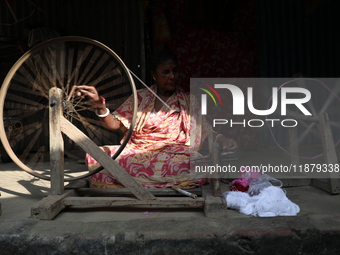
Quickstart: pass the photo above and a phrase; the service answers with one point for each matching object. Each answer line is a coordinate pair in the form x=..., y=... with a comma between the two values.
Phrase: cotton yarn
x=270, y=202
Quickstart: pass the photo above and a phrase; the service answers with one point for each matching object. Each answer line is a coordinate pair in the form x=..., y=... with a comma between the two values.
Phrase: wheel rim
x=61, y=62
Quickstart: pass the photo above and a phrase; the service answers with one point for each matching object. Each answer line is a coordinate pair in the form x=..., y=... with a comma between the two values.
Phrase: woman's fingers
x=89, y=91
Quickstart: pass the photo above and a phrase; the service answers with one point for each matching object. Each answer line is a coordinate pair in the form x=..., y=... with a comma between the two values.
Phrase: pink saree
x=158, y=152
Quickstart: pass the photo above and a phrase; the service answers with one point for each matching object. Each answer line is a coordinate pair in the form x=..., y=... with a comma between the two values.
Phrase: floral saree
x=158, y=152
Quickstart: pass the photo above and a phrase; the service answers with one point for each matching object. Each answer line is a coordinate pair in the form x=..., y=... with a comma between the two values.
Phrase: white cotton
x=237, y=200
x=272, y=201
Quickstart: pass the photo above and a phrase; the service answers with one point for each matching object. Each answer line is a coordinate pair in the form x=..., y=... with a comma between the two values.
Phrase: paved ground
x=148, y=230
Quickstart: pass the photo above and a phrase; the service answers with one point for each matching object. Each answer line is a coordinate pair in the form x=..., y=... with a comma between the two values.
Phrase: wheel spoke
x=107, y=73
x=84, y=65
x=51, y=57
x=20, y=88
x=26, y=131
x=25, y=110
x=299, y=116
x=91, y=129
x=38, y=159
x=309, y=128
x=331, y=97
x=42, y=68
x=29, y=147
x=335, y=124
x=100, y=64
x=89, y=65
x=82, y=56
x=24, y=101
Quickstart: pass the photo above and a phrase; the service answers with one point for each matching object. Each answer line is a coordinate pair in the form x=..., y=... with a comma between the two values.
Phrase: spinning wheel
x=44, y=126
x=24, y=100
x=309, y=130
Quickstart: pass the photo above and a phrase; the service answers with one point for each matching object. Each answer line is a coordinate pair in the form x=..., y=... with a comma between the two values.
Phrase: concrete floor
x=150, y=230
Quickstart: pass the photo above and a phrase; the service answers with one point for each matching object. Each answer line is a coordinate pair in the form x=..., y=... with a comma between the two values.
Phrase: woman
x=158, y=152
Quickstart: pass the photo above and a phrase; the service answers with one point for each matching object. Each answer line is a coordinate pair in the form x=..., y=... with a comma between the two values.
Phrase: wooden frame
x=134, y=194
x=331, y=184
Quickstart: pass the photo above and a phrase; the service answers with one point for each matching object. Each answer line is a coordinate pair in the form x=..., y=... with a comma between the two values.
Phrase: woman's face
x=166, y=77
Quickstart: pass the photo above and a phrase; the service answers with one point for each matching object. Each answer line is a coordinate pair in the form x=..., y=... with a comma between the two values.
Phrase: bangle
x=103, y=115
x=102, y=101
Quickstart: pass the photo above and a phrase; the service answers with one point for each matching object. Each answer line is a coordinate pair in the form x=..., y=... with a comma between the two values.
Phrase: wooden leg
x=293, y=145
x=56, y=142
x=214, y=206
x=332, y=184
x=215, y=180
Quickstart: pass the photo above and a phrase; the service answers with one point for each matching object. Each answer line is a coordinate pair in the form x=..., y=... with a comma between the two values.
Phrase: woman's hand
x=91, y=92
x=99, y=104
x=226, y=144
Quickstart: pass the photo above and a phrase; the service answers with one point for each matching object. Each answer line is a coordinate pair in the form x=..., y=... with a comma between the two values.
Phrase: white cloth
x=272, y=201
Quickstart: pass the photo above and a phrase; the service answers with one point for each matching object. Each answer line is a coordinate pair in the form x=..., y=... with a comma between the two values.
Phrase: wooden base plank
x=324, y=184
x=125, y=192
x=49, y=207
x=127, y=201
x=292, y=182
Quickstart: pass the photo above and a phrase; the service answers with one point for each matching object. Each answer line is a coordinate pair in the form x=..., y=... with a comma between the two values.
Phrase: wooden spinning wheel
x=324, y=103
x=321, y=129
x=24, y=100
x=45, y=126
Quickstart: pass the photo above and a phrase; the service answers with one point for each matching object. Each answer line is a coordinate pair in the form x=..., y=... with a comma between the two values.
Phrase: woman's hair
x=162, y=56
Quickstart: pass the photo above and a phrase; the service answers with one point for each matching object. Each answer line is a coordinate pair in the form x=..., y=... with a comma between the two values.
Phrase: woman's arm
x=106, y=118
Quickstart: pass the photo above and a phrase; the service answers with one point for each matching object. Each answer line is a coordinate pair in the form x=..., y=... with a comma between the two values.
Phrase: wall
x=118, y=24
x=216, y=40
